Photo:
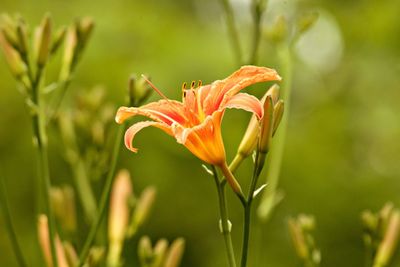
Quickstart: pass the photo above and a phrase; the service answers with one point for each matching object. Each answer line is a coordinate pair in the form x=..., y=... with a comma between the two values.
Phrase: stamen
x=154, y=87
x=184, y=86
x=192, y=85
x=199, y=83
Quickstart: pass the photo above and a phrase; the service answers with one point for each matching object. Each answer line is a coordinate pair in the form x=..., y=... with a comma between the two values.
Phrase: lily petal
x=134, y=129
x=240, y=79
x=167, y=111
x=246, y=102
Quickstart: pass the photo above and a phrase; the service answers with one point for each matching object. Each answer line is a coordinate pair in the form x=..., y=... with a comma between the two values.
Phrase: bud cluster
x=162, y=255
x=300, y=229
x=381, y=233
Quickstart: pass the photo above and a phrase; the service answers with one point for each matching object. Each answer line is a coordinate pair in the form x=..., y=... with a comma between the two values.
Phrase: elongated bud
x=145, y=251
x=9, y=30
x=142, y=210
x=70, y=253
x=274, y=92
x=390, y=240
x=279, y=31
x=278, y=115
x=84, y=28
x=138, y=90
x=44, y=240
x=43, y=36
x=159, y=253
x=369, y=220
x=305, y=22
x=71, y=42
x=118, y=215
x=266, y=126
x=22, y=37
x=14, y=61
x=175, y=253
x=298, y=239
x=63, y=202
x=96, y=255
x=58, y=39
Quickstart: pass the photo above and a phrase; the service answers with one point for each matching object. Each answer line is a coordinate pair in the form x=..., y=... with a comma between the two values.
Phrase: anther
x=199, y=83
x=192, y=85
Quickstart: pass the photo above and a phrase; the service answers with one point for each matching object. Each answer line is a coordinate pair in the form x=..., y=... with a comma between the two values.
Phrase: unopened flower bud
x=175, y=253
x=305, y=22
x=118, y=215
x=298, y=239
x=8, y=29
x=96, y=255
x=44, y=240
x=63, y=202
x=306, y=222
x=278, y=115
x=265, y=133
x=58, y=39
x=70, y=253
x=17, y=66
x=369, y=220
x=159, y=253
x=139, y=90
x=69, y=52
x=145, y=251
x=279, y=31
x=390, y=240
x=142, y=210
x=22, y=37
x=84, y=28
x=43, y=40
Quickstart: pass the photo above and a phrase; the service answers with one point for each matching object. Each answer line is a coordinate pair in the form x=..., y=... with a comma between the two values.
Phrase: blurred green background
x=342, y=150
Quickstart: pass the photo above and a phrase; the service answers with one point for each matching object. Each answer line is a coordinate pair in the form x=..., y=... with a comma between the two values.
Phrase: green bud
x=96, y=255
x=84, y=28
x=138, y=90
x=369, y=220
x=22, y=37
x=145, y=251
x=390, y=240
x=279, y=31
x=43, y=41
x=13, y=58
x=265, y=133
x=175, y=253
x=278, y=115
x=305, y=22
x=143, y=207
x=58, y=39
x=298, y=240
x=160, y=250
x=69, y=52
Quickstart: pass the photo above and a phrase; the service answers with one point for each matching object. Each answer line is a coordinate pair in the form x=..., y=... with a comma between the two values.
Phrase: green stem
x=10, y=228
x=59, y=97
x=236, y=162
x=275, y=162
x=257, y=16
x=39, y=133
x=230, y=178
x=104, y=198
x=84, y=189
x=225, y=228
x=247, y=212
x=230, y=22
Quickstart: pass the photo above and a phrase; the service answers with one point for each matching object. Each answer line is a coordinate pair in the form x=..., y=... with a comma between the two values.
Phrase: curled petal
x=134, y=129
x=167, y=111
x=245, y=76
x=246, y=102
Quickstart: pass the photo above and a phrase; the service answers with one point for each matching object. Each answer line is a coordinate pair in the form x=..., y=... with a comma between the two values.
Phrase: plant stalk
x=9, y=225
x=226, y=232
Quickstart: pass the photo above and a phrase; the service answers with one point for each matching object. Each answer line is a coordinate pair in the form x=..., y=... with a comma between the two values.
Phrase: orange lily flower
x=196, y=121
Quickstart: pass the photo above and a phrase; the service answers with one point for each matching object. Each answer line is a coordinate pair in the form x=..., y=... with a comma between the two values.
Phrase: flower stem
x=104, y=197
x=247, y=212
x=225, y=228
x=230, y=22
x=258, y=10
x=10, y=228
x=40, y=139
x=237, y=160
x=230, y=178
